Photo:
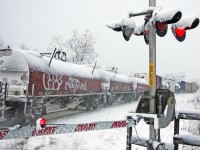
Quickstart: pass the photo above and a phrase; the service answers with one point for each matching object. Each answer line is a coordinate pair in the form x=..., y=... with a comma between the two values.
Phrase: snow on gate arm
x=60, y=129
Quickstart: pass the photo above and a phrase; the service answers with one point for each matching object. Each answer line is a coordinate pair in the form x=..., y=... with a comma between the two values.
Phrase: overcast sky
x=36, y=22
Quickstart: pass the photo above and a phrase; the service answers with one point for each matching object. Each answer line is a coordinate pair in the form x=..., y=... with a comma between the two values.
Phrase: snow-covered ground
x=111, y=139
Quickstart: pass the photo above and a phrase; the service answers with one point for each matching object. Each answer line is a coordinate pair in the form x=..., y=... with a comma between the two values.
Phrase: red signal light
x=161, y=26
x=180, y=32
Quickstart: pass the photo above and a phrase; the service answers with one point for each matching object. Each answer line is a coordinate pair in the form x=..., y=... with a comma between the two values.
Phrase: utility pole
x=152, y=76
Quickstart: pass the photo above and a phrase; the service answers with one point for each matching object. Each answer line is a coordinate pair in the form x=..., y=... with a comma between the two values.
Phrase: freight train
x=186, y=87
x=35, y=84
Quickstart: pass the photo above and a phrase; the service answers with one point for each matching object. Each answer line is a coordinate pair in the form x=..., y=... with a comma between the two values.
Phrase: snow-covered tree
x=79, y=48
x=1, y=43
x=23, y=46
x=59, y=43
x=82, y=47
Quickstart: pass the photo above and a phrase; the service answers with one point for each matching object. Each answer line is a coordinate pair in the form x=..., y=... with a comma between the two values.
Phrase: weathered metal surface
x=187, y=140
x=189, y=116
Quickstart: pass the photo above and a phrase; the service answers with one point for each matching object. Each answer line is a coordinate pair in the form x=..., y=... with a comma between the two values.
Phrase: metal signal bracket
x=165, y=112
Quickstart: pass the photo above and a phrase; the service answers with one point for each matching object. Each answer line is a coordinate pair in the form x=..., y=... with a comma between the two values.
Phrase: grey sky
x=35, y=22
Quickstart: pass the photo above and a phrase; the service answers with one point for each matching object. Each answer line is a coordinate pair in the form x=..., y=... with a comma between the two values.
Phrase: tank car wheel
x=109, y=100
x=44, y=110
x=94, y=104
x=128, y=98
x=19, y=117
x=88, y=105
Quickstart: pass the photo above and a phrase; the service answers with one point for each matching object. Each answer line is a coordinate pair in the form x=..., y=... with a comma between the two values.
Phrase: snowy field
x=111, y=139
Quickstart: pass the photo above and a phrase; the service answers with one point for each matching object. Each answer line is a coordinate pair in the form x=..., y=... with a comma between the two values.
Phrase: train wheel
x=109, y=100
x=128, y=98
x=19, y=117
x=94, y=104
x=44, y=110
x=88, y=105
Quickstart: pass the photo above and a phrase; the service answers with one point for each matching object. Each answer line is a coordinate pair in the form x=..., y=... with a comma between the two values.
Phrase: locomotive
x=35, y=84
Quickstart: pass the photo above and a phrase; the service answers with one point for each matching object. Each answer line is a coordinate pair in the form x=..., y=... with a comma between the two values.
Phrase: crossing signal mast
x=157, y=107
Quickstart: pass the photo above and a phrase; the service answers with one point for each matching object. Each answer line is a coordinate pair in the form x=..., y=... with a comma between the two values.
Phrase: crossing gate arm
x=60, y=129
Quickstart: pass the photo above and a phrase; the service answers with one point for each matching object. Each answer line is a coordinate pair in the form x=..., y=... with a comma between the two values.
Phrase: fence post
x=176, y=131
x=129, y=133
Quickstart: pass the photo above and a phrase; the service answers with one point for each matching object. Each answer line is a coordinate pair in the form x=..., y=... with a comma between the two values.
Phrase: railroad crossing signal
x=158, y=18
x=156, y=22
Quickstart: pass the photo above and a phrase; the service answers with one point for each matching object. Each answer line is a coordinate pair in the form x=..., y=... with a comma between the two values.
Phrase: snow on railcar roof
x=73, y=69
x=111, y=76
x=34, y=60
x=37, y=62
x=120, y=77
x=139, y=80
x=104, y=75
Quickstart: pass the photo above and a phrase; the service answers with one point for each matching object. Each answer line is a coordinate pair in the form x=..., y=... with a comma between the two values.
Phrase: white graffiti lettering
x=52, y=82
x=74, y=84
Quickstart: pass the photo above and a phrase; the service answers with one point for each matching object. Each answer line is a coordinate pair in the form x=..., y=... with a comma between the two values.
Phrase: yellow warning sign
x=151, y=75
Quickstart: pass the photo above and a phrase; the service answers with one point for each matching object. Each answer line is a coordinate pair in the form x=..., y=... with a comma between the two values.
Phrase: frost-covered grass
x=111, y=139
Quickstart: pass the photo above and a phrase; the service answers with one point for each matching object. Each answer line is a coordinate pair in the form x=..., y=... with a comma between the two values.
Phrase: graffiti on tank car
x=52, y=82
x=74, y=84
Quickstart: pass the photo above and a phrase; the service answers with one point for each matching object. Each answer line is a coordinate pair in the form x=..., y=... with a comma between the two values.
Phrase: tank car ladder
x=3, y=92
x=28, y=107
x=29, y=104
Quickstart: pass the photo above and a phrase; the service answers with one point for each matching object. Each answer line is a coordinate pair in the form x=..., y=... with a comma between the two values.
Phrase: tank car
x=140, y=85
x=121, y=87
x=37, y=85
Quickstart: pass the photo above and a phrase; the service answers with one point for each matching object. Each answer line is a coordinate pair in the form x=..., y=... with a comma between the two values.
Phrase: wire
x=137, y=133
